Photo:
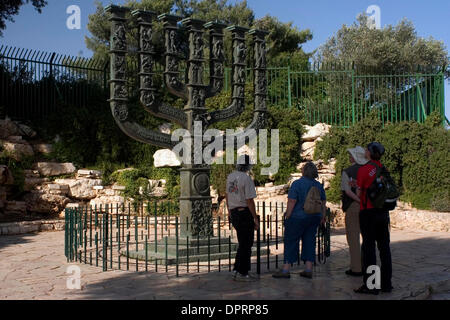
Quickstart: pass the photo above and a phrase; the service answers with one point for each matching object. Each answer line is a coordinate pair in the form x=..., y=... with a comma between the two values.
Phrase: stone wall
x=30, y=226
x=404, y=217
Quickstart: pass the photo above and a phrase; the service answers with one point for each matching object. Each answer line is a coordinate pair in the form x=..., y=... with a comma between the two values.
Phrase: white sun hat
x=359, y=154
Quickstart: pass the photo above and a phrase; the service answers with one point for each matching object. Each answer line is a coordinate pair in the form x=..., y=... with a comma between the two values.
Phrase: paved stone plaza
x=33, y=266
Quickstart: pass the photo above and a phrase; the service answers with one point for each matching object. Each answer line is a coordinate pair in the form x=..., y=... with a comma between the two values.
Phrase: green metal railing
x=34, y=84
x=149, y=238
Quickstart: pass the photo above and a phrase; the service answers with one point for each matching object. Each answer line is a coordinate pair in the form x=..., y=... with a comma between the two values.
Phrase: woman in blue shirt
x=300, y=225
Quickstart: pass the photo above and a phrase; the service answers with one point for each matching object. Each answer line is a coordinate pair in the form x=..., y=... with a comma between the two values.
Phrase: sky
x=48, y=31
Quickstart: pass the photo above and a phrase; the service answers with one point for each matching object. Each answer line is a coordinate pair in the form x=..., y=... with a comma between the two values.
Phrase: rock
x=252, y=153
x=6, y=177
x=31, y=183
x=165, y=158
x=270, y=191
x=17, y=150
x=8, y=128
x=3, y=193
x=107, y=200
x=118, y=187
x=293, y=177
x=26, y=130
x=82, y=189
x=42, y=202
x=325, y=179
x=313, y=133
x=71, y=205
x=43, y=148
x=308, y=150
x=322, y=167
x=89, y=174
x=159, y=192
x=18, y=207
x=54, y=168
x=16, y=139
x=165, y=128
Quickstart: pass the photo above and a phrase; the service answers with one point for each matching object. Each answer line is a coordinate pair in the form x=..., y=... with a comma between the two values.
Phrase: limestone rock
x=18, y=207
x=8, y=128
x=165, y=158
x=252, y=153
x=322, y=167
x=88, y=174
x=107, y=200
x=26, y=130
x=43, y=148
x=165, y=128
x=54, y=168
x=82, y=189
x=3, y=193
x=6, y=177
x=294, y=177
x=308, y=148
x=31, y=183
x=18, y=150
x=313, y=133
x=42, y=202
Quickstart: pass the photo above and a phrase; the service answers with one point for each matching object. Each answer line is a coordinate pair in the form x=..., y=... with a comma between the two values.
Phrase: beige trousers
x=353, y=236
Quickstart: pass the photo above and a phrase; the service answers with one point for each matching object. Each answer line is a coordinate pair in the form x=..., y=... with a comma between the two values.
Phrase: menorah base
x=192, y=251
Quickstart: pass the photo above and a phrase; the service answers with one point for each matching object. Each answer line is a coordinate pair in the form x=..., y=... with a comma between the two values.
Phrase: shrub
x=416, y=155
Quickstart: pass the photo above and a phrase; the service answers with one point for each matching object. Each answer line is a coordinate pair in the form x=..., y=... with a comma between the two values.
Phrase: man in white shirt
x=240, y=196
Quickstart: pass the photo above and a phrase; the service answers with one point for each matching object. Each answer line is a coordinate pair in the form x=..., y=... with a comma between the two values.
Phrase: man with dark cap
x=374, y=224
x=240, y=196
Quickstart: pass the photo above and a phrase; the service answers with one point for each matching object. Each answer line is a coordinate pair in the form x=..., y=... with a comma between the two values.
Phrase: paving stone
x=34, y=267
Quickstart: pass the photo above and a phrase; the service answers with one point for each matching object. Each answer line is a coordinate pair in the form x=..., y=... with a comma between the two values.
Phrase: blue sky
x=48, y=31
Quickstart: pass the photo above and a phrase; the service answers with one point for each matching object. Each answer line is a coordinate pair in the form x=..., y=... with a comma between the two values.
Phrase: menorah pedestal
x=167, y=252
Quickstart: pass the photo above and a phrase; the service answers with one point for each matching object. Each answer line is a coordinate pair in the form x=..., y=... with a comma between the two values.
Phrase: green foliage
x=416, y=155
x=17, y=169
x=393, y=49
x=136, y=182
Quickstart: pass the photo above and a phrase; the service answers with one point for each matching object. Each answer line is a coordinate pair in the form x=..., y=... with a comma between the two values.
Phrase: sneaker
x=234, y=273
x=253, y=275
x=306, y=274
x=242, y=278
x=281, y=275
x=363, y=289
x=353, y=274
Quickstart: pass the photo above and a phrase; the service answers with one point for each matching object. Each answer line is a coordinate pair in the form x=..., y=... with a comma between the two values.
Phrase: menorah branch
x=171, y=73
x=149, y=93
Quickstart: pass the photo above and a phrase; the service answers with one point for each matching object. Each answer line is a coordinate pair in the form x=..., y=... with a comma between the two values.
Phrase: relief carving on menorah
x=195, y=199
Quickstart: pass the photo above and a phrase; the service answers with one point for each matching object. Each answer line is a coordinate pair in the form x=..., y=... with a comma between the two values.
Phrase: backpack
x=313, y=203
x=383, y=192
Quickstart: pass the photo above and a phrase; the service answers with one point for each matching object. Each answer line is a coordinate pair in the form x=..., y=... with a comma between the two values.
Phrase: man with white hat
x=351, y=207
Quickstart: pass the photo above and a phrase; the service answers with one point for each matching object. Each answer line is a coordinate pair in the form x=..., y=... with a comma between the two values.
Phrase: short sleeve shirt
x=299, y=190
x=366, y=175
x=240, y=188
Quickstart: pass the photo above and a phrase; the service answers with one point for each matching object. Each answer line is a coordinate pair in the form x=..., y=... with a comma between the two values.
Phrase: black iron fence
x=149, y=238
x=34, y=83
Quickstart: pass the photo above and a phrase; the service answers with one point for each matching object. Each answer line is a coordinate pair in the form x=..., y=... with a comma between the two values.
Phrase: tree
x=10, y=8
x=393, y=49
x=284, y=40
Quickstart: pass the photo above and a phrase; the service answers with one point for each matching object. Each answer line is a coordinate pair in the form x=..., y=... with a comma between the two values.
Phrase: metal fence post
x=289, y=85
x=258, y=248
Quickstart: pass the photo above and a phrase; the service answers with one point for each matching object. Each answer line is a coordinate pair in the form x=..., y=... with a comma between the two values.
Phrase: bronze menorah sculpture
x=195, y=199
